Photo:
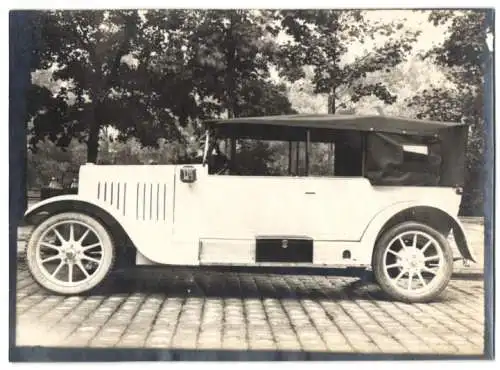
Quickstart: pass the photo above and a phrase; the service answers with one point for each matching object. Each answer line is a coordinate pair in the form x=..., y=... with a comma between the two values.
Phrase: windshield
x=206, y=146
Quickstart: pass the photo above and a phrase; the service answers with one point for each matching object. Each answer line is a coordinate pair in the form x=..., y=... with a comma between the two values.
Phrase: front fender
x=72, y=202
x=57, y=203
x=418, y=211
x=124, y=230
x=42, y=205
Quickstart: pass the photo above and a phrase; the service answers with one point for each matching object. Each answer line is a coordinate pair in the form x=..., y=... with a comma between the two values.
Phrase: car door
x=238, y=207
x=338, y=208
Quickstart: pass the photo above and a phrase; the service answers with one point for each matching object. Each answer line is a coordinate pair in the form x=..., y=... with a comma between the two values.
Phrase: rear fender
x=435, y=217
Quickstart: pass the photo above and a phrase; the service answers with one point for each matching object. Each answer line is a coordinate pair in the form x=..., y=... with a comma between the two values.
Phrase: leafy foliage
x=230, y=54
x=463, y=54
x=149, y=75
x=321, y=40
x=263, y=98
x=87, y=48
x=52, y=161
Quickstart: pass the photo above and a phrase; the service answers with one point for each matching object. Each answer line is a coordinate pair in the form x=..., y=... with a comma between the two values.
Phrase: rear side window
x=396, y=160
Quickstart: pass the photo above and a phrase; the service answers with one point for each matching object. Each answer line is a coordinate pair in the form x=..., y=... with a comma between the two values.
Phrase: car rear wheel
x=70, y=253
x=412, y=262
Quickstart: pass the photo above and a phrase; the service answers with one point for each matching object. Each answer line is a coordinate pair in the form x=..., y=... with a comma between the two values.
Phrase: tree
x=263, y=98
x=321, y=39
x=231, y=50
x=108, y=67
x=169, y=68
x=405, y=80
x=462, y=53
x=148, y=74
x=87, y=47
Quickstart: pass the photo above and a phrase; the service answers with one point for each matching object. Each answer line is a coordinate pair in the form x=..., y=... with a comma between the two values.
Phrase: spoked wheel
x=70, y=253
x=412, y=262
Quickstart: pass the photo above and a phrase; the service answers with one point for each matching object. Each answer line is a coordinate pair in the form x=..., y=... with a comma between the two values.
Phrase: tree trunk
x=230, y=143
x=94, y=128
x=102, y=84
x=93, y=144
x=331, y=110
x=230, y=77
x=331, y=102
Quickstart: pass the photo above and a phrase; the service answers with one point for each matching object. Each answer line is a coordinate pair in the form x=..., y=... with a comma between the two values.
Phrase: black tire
x=436, y=285
x=41, y=275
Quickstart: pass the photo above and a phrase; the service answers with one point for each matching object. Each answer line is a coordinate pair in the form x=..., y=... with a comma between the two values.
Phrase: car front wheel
x=412, y=262
x=70, y=253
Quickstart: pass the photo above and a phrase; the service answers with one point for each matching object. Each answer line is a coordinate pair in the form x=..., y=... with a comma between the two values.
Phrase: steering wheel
x=225, y=164
x=223, y=169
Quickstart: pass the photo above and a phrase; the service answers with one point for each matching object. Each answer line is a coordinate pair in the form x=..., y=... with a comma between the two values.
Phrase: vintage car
x=387, y=202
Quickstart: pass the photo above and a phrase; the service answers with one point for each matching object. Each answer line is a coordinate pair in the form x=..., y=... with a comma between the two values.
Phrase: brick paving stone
x=244, y=311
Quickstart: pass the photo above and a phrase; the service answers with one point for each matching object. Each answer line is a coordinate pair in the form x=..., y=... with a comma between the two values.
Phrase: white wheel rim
x=414, y=262
x=69, y=253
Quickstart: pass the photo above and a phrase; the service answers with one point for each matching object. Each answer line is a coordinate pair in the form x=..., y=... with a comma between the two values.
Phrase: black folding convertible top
x=377, y=123
x=385, y=139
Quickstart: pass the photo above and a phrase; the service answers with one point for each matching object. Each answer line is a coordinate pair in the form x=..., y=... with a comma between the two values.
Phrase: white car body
x=388, y=201
x=216, y=220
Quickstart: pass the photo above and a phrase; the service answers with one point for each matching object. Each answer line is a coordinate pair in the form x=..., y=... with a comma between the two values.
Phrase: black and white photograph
x=251, y=184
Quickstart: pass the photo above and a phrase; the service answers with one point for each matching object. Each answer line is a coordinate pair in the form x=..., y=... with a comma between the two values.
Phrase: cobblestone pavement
x=248, y=311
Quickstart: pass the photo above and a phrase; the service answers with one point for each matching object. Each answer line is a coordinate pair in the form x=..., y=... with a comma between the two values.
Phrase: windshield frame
x=206, y=147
